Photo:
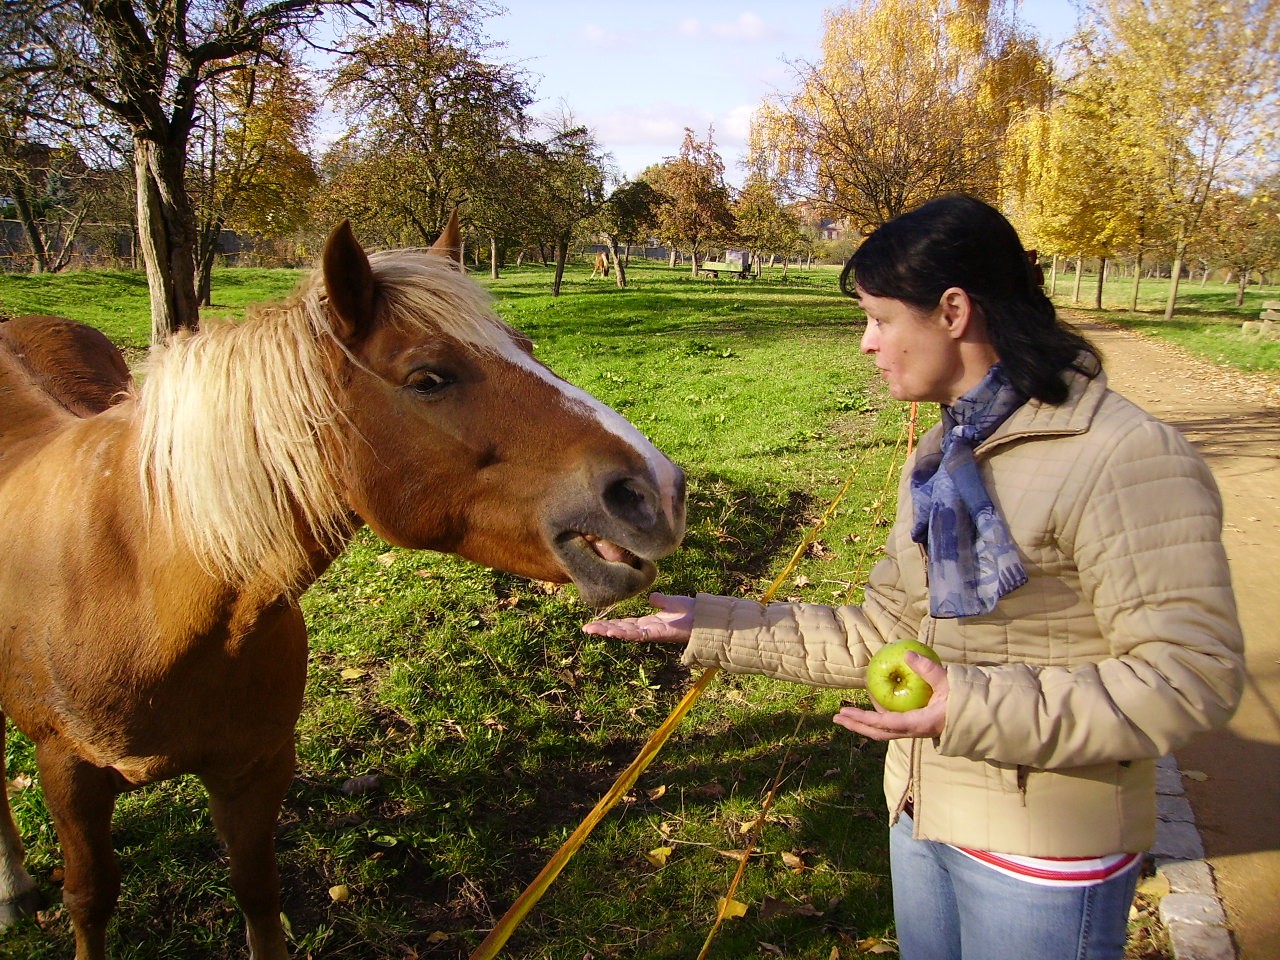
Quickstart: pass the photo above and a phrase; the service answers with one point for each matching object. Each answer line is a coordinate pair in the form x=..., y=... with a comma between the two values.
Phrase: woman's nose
x=868, y=344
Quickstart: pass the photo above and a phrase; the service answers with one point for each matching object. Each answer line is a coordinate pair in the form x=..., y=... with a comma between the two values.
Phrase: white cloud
x=736, y=125
x=689, y=28
x=602, y=37
x=749, y=28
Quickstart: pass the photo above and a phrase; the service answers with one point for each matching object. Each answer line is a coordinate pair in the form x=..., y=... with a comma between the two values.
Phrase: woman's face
x=916, y=353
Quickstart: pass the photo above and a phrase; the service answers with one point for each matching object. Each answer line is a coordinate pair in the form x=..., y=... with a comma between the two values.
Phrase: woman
x=1061, y=551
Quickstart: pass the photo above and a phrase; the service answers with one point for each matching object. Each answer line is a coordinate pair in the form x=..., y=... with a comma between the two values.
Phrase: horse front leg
x=245, y=811
x=81, y=798
x=18, y=895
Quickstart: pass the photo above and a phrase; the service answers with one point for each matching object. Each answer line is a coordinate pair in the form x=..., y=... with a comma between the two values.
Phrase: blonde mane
x=240, y=446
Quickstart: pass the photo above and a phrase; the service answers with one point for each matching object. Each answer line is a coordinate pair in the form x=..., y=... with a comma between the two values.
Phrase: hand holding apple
x=926, y=720
x=892, y=682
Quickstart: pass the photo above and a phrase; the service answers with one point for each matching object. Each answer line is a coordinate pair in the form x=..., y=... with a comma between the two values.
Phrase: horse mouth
x=611, y=552
x=603, y=570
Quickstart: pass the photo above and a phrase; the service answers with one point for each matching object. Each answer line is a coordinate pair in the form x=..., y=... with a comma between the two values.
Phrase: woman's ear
x=957, y=311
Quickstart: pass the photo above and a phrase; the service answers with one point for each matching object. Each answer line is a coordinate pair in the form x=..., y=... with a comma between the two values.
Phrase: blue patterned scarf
x=973, y=561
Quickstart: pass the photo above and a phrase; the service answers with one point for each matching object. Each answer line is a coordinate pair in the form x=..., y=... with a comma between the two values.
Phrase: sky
x=638, y=74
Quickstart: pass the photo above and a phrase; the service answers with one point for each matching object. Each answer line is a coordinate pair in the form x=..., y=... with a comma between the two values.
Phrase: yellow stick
x=518, y=910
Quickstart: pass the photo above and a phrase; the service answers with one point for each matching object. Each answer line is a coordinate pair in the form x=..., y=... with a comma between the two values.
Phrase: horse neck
x=237, y=447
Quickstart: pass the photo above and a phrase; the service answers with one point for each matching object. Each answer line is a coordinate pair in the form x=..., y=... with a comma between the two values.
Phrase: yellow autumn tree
x=1202, y=87
x=910, y=99
x=1071, y=179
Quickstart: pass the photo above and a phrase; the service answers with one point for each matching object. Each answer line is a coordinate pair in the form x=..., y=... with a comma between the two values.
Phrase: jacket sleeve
x=802, y=642
x=1149, y=550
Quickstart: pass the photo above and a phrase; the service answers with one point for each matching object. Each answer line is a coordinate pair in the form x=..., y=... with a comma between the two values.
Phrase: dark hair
x=959, y=241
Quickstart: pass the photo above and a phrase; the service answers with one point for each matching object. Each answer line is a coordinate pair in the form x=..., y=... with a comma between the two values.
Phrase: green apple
x=893, y=684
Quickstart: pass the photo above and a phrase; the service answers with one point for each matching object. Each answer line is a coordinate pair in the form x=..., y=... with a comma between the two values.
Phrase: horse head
x=457, y=439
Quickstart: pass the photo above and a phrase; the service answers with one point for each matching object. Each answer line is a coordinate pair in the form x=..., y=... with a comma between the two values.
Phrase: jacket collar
x=1038, y=419
x=1071, y=417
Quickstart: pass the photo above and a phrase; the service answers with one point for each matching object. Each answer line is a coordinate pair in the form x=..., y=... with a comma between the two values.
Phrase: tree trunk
x=619, y=268
x=1053, y=277
x=1075, y=293
x=1175, y=275
x=1137, y=279
x=1102, y=276
x=166, y=231
x=562, y=254
x=1240, y=286
x=671, y=258
x=39, y=252
x=206, y=253
x=493, y=256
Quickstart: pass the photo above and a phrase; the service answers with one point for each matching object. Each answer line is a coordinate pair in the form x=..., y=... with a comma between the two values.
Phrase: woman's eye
x=427, y=382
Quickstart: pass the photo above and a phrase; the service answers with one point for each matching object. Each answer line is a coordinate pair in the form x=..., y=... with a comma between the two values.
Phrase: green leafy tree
x=251, y=170
x=1242, y=233
x=764, y=223
x=696, y=212
x=146, y=64
x=564, y=189
x=429, y=110
x=629, y=214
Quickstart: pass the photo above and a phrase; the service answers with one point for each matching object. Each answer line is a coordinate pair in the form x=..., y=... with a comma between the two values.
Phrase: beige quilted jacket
x=1123, y=644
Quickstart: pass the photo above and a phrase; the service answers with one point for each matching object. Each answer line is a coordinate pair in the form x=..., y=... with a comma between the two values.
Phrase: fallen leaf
x=387, y=559
x=657, y=793
x=22, y=781
x=876, y=945
x=1156, y=886
x=340, y=893
x=731, y=909
x=737, y=854
x=353, y=673
x=802, y=581
x=438, y=936
x=1195, y=775
x=835, y=954
x=792, y=862
x=770, y=948
x=658, y=856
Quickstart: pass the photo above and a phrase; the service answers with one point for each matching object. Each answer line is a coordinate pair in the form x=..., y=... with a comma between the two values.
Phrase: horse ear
x=348, y=280
x=449, y=243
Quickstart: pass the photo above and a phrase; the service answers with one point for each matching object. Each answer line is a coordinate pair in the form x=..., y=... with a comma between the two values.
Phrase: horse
x=602, y=266
x=159, y=535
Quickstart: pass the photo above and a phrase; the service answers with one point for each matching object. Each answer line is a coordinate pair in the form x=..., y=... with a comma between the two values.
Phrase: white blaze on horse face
x=664, y=471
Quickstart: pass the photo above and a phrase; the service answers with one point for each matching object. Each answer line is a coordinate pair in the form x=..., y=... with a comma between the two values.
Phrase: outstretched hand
x=882, y=724
x=671, y=624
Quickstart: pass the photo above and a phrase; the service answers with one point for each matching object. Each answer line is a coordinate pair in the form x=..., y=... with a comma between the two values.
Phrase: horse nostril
x=630, y=500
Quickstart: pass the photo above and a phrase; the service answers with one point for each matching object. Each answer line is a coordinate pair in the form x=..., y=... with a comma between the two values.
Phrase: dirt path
x=1234, y=420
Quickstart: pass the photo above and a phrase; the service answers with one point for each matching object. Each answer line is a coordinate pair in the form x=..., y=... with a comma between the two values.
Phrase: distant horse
x=602, y=266
x=156, y=547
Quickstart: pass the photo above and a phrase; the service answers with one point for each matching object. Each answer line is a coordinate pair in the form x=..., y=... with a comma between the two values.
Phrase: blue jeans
x=947, y=906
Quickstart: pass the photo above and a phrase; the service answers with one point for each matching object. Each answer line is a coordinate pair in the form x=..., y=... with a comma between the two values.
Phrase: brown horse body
x=156, y=550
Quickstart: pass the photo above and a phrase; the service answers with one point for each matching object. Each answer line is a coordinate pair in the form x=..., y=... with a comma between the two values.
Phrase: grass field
x=1206, y=322
x=458, y=725
x=493, y=725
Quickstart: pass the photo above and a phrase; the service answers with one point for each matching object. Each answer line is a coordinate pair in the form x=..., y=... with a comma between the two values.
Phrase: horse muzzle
x=609, y=539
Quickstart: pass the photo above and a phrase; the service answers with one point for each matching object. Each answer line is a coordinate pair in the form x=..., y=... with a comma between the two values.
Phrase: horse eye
x=428, y=382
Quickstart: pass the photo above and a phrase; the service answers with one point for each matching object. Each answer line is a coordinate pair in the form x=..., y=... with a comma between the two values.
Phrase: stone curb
x=1192, y=912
